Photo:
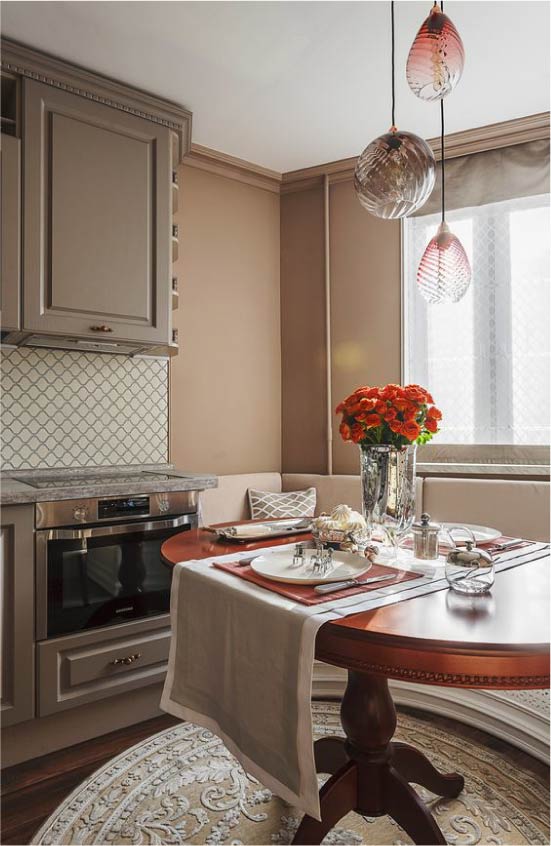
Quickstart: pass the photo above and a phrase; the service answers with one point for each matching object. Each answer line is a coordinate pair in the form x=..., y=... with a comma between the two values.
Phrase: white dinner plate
x=482, y=534
x=278, y=566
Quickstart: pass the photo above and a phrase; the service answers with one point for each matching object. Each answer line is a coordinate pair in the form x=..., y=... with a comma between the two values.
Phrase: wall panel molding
x=479, y=139
x=232, y=167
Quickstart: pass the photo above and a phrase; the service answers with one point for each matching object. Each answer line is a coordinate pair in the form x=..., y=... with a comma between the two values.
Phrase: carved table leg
x=414, y=766
x=408, y=809
x=337, y=798
x=374, y=772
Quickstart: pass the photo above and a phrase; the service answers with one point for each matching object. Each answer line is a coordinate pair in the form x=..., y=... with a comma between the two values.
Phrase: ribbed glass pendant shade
x=436, y=58
x=395, y=174
x=444, y=273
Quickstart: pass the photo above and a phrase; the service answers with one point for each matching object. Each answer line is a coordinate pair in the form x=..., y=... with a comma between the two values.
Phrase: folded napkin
x=305, y=594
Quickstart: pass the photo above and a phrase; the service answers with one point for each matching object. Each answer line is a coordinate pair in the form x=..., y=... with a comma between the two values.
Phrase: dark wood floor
x=32, y=791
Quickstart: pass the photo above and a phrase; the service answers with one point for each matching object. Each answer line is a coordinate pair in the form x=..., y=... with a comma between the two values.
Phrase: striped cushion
x=267, y=504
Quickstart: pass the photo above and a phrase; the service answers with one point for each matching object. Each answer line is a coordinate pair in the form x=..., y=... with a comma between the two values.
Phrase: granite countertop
x=16, y=486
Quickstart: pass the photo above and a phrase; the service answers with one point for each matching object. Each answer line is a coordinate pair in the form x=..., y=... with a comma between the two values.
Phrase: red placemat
x=305, y=594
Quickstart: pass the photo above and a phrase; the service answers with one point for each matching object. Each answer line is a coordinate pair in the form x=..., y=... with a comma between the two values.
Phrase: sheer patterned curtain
x=486, y=358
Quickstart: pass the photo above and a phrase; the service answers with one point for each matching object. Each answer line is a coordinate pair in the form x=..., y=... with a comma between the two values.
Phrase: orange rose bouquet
x=393, y=415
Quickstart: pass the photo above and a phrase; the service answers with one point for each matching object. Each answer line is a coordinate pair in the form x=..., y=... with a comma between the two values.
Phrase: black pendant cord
x=442, y=142
x=392, y=58
x=442, y=155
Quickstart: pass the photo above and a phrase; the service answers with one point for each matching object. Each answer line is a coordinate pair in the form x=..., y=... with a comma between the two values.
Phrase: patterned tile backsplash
x=72, y=409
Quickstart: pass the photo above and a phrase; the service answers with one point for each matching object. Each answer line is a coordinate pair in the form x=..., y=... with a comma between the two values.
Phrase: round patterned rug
x=182, y=786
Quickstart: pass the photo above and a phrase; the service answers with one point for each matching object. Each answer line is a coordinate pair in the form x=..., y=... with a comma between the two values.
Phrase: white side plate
x=482, y=534
x=278, y=566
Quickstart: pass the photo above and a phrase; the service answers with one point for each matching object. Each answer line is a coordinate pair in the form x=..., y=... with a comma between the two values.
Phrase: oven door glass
x=106, y=579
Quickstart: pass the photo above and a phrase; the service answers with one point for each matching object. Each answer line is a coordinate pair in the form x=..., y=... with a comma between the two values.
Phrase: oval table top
x=499, y=640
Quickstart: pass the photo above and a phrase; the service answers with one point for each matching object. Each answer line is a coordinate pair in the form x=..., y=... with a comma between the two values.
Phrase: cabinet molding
x=20, y=59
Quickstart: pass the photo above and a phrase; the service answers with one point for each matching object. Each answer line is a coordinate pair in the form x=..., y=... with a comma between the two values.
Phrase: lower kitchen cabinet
x=17, y=613
x=85, y=667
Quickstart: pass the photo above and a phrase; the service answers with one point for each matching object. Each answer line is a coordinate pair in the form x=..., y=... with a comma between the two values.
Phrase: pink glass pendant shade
x=444, y=273
x=395, y=174
x=436, y=58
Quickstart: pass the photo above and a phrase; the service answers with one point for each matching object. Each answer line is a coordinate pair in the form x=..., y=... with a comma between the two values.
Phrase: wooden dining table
x=496, y=641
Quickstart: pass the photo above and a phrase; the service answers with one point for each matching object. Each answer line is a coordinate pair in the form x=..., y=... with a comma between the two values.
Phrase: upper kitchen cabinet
x=97, y=224
x=98, y=162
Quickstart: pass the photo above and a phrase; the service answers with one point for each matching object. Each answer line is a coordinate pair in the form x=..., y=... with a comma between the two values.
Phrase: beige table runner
x=241, y=663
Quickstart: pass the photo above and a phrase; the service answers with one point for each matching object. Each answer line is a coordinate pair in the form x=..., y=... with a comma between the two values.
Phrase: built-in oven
x=99, y=560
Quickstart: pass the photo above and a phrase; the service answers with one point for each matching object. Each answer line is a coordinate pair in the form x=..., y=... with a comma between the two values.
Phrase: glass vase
x=388, y=492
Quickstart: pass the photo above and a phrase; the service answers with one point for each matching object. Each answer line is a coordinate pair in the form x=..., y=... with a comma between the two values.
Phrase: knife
x=334, y=586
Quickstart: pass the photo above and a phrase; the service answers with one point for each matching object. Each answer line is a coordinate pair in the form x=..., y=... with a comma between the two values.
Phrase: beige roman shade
x=521, y=170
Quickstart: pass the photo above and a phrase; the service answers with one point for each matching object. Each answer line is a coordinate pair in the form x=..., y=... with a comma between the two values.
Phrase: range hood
x=59, y=342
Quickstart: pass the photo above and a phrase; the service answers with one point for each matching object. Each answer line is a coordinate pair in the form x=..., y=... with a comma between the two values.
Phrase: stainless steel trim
x=62, y=512
x=120, y=529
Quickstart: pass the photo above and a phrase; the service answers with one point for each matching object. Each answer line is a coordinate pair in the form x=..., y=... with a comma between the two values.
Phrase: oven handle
x=124, y=529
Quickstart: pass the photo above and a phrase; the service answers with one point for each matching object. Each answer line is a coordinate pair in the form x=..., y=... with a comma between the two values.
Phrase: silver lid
x=424, y=525
x=469, y=556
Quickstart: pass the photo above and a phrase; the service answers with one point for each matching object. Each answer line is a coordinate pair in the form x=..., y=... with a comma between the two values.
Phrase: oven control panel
x=82, y=512
x=124, y=506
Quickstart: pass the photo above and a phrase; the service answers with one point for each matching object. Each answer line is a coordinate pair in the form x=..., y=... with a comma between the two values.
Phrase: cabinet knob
x=128, y=659
x=102, y=328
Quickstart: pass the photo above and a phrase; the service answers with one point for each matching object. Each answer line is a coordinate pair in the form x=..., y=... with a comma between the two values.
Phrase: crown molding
x=222, y=164
x=491, y=137
x=19, y=59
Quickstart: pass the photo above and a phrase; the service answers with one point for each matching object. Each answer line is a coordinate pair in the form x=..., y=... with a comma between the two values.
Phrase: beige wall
x=365, y=305
x=365, y=317
x=225, y=384
x=304, y=430
x=248, y=388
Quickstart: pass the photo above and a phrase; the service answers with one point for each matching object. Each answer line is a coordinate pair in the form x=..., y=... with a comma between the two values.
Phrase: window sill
x=510, y=471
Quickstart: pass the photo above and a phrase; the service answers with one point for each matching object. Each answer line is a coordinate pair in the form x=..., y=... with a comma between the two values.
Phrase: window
x=486, y=358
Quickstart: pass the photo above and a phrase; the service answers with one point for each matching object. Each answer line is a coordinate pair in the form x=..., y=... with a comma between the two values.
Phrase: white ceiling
x=292, y=84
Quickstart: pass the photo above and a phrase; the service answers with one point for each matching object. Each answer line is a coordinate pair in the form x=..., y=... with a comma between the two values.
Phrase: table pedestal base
x=370, y=774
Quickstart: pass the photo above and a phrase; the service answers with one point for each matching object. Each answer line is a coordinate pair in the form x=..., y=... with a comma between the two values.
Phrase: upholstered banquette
x=517, y=508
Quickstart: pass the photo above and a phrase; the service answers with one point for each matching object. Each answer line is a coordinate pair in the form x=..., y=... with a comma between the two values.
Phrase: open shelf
x=10, y=105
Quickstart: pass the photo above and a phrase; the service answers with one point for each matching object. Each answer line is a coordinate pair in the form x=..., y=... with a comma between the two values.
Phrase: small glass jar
x=425, y=539
x=470, y=570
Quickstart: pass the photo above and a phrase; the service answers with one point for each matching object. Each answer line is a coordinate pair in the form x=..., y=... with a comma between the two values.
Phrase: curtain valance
x=521, y=170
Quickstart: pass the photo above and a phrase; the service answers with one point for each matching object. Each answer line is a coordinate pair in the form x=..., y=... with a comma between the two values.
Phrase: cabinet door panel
x=10, y=246
x=97, y=225
x=17, y=613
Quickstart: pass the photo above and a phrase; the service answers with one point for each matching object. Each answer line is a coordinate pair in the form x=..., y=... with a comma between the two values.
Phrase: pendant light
x=436, y=58
x=395, y=174
x=444, y=273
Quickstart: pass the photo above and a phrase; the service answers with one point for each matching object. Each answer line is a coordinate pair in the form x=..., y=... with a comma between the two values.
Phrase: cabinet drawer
x=82, y=668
